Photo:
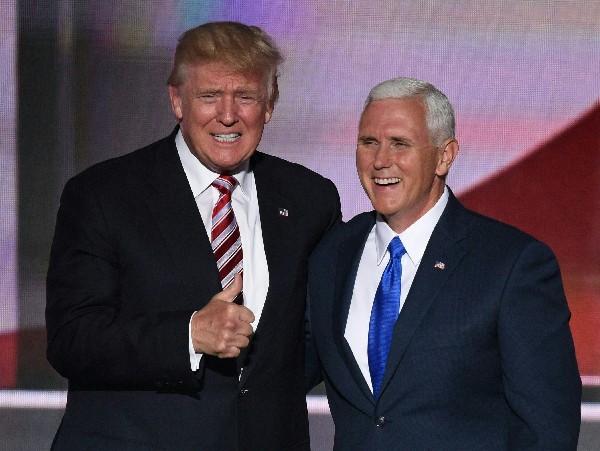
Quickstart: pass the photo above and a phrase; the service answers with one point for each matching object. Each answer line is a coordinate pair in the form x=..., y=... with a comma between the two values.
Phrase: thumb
x=234, y=289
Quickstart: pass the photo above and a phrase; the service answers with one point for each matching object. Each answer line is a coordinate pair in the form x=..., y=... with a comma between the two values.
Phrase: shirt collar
x=200, y=177
x=415, y=237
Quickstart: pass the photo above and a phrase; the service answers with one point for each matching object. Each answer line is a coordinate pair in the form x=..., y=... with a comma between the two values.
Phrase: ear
x=268, y=114
x=448, y=153
x=176, y=102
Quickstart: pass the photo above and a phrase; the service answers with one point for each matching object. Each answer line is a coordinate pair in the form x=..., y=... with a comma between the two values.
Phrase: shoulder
x=354, y=231
x=460, y=220
x=489, y=228
x=286, y=172
x=338, y=248
x=308, y=192
x=122, y=170
x=495, y=238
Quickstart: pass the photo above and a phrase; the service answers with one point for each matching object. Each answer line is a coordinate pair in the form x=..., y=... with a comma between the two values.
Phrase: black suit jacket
x=130, y=263
x=482, y=356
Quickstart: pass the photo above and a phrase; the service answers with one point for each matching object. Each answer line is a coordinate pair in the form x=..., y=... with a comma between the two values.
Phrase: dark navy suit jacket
x=482, y=356
x=130, y=263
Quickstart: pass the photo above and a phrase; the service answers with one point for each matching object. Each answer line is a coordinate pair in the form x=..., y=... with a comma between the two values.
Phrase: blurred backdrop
x=83, y=81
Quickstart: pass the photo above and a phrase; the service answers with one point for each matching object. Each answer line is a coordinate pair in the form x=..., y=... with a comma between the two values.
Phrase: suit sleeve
x=336, y=208
x=312, y=368
x=541, y=379
x=91, y=338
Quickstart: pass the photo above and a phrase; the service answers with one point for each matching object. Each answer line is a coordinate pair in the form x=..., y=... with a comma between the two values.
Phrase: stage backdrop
x=82, y=81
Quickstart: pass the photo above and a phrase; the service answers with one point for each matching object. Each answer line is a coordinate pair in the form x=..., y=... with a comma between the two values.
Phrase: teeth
x=389, y=181
x=227, y=137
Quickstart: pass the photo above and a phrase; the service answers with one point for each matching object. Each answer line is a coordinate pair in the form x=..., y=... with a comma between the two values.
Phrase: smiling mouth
x=226, y=137
x=388, y=181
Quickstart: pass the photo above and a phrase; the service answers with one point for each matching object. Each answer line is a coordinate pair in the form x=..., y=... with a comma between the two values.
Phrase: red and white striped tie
x=225, y=234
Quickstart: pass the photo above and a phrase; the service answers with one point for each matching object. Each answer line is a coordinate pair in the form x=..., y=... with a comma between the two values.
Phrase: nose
x=383, y=157
x=227, y=111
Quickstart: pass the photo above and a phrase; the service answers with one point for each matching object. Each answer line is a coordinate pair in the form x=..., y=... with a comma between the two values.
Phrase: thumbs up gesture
x=222, y=328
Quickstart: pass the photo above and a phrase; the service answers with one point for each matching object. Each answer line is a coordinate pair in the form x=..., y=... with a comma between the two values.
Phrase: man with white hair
x=435, y=327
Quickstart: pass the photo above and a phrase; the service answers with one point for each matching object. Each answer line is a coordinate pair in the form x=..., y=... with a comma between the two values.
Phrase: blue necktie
x=384, y=314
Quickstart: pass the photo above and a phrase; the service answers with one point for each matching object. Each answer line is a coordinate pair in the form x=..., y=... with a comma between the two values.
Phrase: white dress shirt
x=373, y=261
x=245, y=206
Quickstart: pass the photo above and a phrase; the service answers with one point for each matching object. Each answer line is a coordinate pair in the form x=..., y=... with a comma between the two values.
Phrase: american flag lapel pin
x=440, y=265
x=283, y=212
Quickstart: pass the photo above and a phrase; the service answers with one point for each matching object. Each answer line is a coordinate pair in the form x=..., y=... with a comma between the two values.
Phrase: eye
x=367, y=142
x=209, y=97
x=398, y=144
x=247, y=98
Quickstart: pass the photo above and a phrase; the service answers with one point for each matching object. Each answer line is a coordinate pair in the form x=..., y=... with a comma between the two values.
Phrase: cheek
x=363, y=162
x=363, y=175
x=201, y=114
x=255, y=125
x=254, y=117
x=432, y=163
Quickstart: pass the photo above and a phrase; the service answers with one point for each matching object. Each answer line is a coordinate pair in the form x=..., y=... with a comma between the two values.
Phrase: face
x=221, y=114
x=400, y=169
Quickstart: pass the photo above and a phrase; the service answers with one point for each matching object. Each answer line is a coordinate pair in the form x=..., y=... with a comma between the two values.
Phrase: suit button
x=243, y=392
x=380, y=422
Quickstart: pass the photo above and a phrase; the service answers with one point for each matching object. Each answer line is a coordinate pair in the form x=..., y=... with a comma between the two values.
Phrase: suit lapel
x=176, y=214
x=279, y=229
x=447, y=246
x=348, y=259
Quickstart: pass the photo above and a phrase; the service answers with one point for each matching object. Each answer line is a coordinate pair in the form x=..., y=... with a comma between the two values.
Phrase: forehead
x=394, y=114
x=220, y=75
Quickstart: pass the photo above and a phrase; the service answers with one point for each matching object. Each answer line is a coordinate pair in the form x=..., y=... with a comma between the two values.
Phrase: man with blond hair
x=177, y=278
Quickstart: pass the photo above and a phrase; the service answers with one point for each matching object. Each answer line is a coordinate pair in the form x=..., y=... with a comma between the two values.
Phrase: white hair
x=439, y=111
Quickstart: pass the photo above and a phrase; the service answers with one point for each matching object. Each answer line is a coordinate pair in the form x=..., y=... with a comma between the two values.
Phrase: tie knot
x=225, y=183
x=396, y=248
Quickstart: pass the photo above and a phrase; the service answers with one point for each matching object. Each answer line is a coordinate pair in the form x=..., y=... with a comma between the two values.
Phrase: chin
x=227, y=163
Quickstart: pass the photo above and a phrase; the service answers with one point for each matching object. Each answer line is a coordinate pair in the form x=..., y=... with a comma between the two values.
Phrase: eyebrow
x=201, y=91
x=364, y=138
x=243, y=90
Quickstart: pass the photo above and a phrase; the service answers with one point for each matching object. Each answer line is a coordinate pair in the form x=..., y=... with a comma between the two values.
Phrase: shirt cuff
x=194, y=357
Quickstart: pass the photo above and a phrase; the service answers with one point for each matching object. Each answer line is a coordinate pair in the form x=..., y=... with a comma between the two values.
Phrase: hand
x=222, y=327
